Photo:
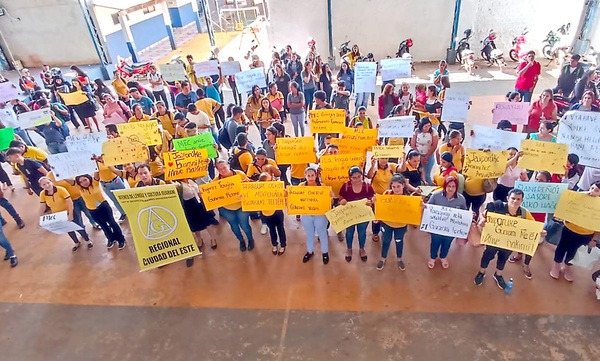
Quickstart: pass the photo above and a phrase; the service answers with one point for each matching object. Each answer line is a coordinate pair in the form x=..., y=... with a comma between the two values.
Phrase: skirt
x=85, y=110
x=197, y=216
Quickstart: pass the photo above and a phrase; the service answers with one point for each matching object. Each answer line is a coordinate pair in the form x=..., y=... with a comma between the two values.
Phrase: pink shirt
x=525, y=81
x=511, y=175
x=114, y=113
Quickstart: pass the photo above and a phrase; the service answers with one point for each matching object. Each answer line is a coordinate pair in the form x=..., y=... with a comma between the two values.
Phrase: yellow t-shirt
x=73, y=190
x=92, y=196
x=439, y=179
x=272, y=97
x=106, y=175
x=120, y=87
x=132, y=181
x=35, y=153
x=206, y=105
x=180, y=132
x=382, y=177
x=57, y=201
x=474, y=186
x=396, y=141
x=164, y=147
x=245, y=159
x=167, y=122
x=578, y=229
x=456, y=158
x=392, y=224
x=238, y=205
x=267, y=116
x=156, y=167
x=133, y=119
x=252, y=169
x=297, y=170
x=252, y=107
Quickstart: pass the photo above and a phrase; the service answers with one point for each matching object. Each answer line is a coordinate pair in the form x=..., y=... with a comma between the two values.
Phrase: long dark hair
x=317, y=179
x=79, y=72
x=89, y=177
x=270, y=110
x=423, y=122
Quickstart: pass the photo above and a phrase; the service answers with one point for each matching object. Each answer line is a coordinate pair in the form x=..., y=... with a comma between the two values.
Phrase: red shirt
x=526, y=80
x=535, y=115
x=347, y=193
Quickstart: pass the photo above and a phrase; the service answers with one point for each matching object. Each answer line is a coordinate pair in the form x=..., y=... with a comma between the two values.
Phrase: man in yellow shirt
x=241, y=157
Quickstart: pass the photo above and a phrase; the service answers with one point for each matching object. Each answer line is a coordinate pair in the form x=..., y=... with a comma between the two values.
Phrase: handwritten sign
x=485, y=165
x=71, y=164
x=263, y=196
x=7, y=135
x=388, y=151
x=8, y=91
x=221, y=192
x=446, y=221
x=327, y=120
x=580, y=209
x=456, y=105
x=86, y=142
x=397, y=127
x=121, y=150
x=342, y=217
x=74, y=98
x=172, y=72
x=516, y=112
x=334, y=169
x=538, y=155
x=495, y=139
x=366, y=137
x=581, y=131
x=206, y=68
x=398, y=209
x=114, y=118
x=245, y=80
x=395, y=68
x=200, y=141
x=295, y=150
x=144, y=132
x=365, y=75
x=307, y=200
x=58, y=223
x=511, y=233
x=349, y=146
x=34, y=118
x=186, y=164
x=230, y=68
x=541, y=197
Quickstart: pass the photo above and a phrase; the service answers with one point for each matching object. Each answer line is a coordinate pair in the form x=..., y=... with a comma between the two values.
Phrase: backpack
x=224, y=135
x=234, y=159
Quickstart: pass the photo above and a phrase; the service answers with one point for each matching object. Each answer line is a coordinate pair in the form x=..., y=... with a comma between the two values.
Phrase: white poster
x=230, y=68
x=172, y=72
x=71, y=164
x=396, y=127
x=58, y=223
x=245, y=80
x=395, y=68
x=8, y=92
x=456, y=105
x=446, y=221
x=365, y=75
x=90, y=143
x=581, y=131
x=495, y=139
x=206, y=68
x=34, y=118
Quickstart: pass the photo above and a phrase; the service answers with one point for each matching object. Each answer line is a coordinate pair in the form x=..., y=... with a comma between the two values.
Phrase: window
x=149, y=9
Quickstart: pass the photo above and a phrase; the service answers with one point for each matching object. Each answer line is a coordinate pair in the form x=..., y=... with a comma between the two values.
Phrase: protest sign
x=388, y=151
x=114, y=118
x=200, y=141
x=365, y=76
x=186, y=164
x=86, y=142
x=327, y=120
x=34, y=118
x=263, y=196
x=485, y=165
x=541, y=197
x=71, y=164
x=245, y=80
x=334, y=168
x=58, y=223
x=342, y=217
x=368, y=137
x=230, y=68
x=495, y=139
x=307, y=200
x=206, y=68
x=8, y=91
x=446, y=221
x=221, y=192
x=75, y=98
x=511, y=233
x=160, y=231
x=515, y=112
x=581, y=131
x=349, y=146
x=144, y=132
x=548, y=156
x=172, y=72
x=456, y=105
x=121, y=150
x=397, y=127
x=297, y=150
x=395, y=68
x=398, y=209
x=7, y=135
x=580, y=209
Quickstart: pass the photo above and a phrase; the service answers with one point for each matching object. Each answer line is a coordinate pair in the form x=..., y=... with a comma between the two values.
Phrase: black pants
x=220, y=117
x=4, y=178
x=283, y=169
x=568, y=244
x=83, y=234
x=237, y=97
x=489, y=254
x=104, y=217
x=161, y=95
x=275, y=224
x=474, y=202
x=501, y=192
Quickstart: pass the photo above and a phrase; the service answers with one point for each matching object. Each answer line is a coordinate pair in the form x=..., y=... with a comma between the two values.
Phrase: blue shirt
x=182, y=100
x=436, y=74
x=212, y=92
x=146, y=104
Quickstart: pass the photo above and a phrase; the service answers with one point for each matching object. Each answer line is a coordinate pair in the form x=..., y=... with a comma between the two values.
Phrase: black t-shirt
x=53, y=133
x=30, y=170
x=413, y=176
x=283, y=83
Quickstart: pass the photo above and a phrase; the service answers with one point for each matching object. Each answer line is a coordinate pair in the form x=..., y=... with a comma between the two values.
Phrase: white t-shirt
x=158, y=78
x=8, y=117
x=201, y=119
x=425, y=141
x=590, y=176
x=511, y=175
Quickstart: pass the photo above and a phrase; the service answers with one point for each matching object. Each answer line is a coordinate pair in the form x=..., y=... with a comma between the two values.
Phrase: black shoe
x=307, y=257
x=500, y=281
x=479, y=278
x=325, y=258
x=20, y=223
x=14, y=261
x=122, y=218
x=121, y=245
x=250, y=245
x=6, y=257
x=242, y=246
x=90, y=244
x=4, y=222
x=189, y=262
x=110, y=244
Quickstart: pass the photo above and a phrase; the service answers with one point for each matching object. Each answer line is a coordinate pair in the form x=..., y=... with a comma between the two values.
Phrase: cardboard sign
x=143, y=132
x=7, y=135
x=456, y=105
x=58, y=223
x=297, y=150
x=206, y=68
x=71, y=164
x=388, y=151
x=398, y=209
x=263, y=196
x=221, y=192
x=495, y=139
x=516, y=112
x=580, y=209
x=186, y=164
x=349, y=146
x=512, y=233
x=446, y=221
x=396, y=127
x=538, y=155
x=541, y=197
x=121, y=150
x=395, y=68
x=307, y=200
x=327, y=120
x=8, y=92
x=365, y=76
x=581, y=131
x=342, y=217
x=172, y=72
x=74, y=98
x=334, y=168
x=485, y=165
x=161, y=233
x=230, y=68
x=86, y=142
x=200, y=141
x=245, y=80
x=368, y=137
x=114, y=118
x=34, y=118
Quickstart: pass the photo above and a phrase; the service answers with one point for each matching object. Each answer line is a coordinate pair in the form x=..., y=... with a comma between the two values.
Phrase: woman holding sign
x=543, y=109
x=266, y=116
x=425, y=141
x=314, y=223
x=380, y=174
x=86, y=110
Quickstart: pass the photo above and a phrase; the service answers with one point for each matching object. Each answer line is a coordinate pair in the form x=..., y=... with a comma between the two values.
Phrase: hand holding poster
x=365, y=76
x=580, y=209
x=395, y=68
x=485, y=165
x=398, y=209
x=206, y=68
x=200, y=141
x=121, y=150
x=495, y=139
x=144, y=132
x=388, y=151
x=58, y=223
x=581, y=131
x=541, y=197
x=34, y=118
x=327, y=120
x=230, y=68
x=245, y=80
x=297, y=150
x=172, y=72
x=396, y=127
x=446, y=221
x=71, y=164
x=263, y=196
x=516, y=112
x=8, y=91
x=511, y=233
x=7, y=135
x=222, y=192
x=87, y=142
x=538, y=155
x=456, y=105
x=186, y=164
x=342, y=217
x=307, y=200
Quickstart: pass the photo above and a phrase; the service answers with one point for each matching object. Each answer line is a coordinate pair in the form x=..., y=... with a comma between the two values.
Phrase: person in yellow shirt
x=277, y=100
x=474, y=194
x=59, y=200
x=166, y=143
x=455, y=147
x=207, y=105
x=78, y=203
x=242, y=156
x=28, y=152
x=297, y=173
x=253, y=104
x=261, y=164
x=274, y=220
x=447, y=169
x=191, y=73
x=165, y=117
x=266, y=116
x=144, y=171
x=361, y=118
x=380, y=174
x=110, y=181
x=180, y=127
x=138, y=114
x=120, y=87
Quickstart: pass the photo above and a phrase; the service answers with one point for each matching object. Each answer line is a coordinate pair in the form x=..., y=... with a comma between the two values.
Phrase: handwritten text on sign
x=580, y=209
x=206, y=68
x=485, y=165
x=456, y=105
x=222, y=192
x=495, y=139
x=396, y=127
x=121, y=150
x=186, y=164
x=230, y=68
x=34, y=118
x=58, y=223
x=365, y=75
x=335, y=167
x=511, y=233
x=515, y=112
x=87, y=142
x=71, y=164
x=245, y=80
x=263, y=196
x=327, y=120
x=388, y=151
x=541, y=197
x=145, y=132
x=368, y=137
x=295, y=150
x=349, y=146
x=306, y=200
x=172, y=72
x=200, y=141
x=538, y=155
x=395, y=68
x=342, y=217
x=581, y=131
x=446, y=221
x=398, y=209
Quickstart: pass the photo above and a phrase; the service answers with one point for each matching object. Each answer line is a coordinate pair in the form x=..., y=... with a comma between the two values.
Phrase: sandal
x=274, y=251
x=348, y=255
x=444, y=263
x=375, y=238
x=281, y=251
x=363, y=255
x=76, y=247
x=213, y=244
x=431, y=263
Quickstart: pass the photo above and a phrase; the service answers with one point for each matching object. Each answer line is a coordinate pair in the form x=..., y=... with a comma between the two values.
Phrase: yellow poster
x=334, y=169
x=222, y=192
x=74, y=98
x=363, y=136
x=121, y=150
x=349, y=146
x=342, y=217
x=160, y=230
x=327, y=120
x=263, y=196
x=580, y=209
x=186, y=164
x=307, y=200
x=512, y=233
x=298, y=150
x=145, y=132
x=485, y=165
x=538, y=155
x=398, y=209
x=388, y=151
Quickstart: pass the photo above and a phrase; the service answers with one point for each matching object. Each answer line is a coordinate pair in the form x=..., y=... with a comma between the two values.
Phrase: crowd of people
x=434, y=155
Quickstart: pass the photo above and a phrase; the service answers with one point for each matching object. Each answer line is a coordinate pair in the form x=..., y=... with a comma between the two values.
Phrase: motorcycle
x=552, y=39
x=518, y=50
x=138, y=70
x=464, y=54
x=490, y=53
x=404, y=49
x=344, y=50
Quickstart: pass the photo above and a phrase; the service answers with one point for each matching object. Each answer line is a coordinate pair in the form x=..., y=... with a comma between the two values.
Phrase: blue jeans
x=237, y=220
x=9, y=208
x=390, y=233
x=79, y=207
x=295, y=181
x=429, y=168
x=54, y=147
x=298, y=122
x=309, y=96
x=215, y=131
x=314, y=224
x=4, y=243
x=376, y=227
x=109, y=187
x=441, y=245
x=362, y=234
x=525, y=94
x=362, y=100
x=24, y=135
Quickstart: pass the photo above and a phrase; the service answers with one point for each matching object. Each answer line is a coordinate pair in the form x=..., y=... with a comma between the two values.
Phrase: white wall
x=107, y=25
x=49, y=31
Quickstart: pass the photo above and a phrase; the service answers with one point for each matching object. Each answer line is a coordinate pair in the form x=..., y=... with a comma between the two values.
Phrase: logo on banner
x=156, y=222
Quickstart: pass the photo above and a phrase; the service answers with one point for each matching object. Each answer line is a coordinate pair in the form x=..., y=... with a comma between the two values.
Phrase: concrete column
x=168, y=25
x=128, y=36
x=196, y=15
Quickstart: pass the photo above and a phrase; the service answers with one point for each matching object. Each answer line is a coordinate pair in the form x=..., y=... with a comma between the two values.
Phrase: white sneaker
x=263, y=229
